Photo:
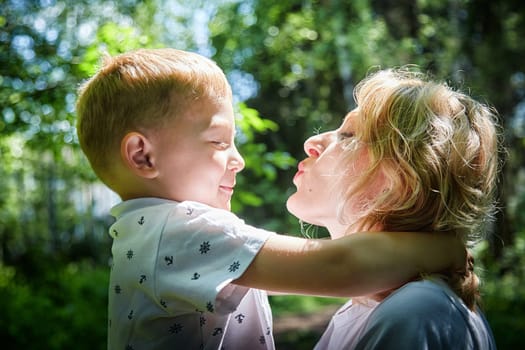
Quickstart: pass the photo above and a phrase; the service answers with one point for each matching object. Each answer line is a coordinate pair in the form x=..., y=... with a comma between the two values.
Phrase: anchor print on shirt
x=240, y=318
x=209, y=306
x=168, y=260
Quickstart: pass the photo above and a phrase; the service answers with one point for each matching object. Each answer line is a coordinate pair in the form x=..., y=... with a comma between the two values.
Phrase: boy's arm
x=358, y=264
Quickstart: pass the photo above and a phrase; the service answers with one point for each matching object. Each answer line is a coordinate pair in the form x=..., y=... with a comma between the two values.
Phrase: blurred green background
x=292, y=66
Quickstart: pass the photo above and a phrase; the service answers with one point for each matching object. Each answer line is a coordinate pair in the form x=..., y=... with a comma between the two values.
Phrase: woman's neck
x=337, y=230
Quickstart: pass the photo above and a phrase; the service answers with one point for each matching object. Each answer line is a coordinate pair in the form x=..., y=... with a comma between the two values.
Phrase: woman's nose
x=313, y=146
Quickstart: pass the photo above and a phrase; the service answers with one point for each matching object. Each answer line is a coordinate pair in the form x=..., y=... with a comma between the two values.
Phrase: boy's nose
x=236, y=162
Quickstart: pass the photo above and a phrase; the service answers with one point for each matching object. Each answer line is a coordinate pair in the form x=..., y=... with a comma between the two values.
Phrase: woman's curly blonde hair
x=436, y=151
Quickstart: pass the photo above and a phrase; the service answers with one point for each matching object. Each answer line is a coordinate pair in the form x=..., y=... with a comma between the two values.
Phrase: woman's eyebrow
x=346, y=133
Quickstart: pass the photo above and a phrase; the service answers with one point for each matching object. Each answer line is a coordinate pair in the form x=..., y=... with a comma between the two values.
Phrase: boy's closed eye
x=220, y=144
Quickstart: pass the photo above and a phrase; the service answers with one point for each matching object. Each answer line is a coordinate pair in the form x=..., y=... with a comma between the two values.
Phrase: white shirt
x=170, y=280
x=347, y=324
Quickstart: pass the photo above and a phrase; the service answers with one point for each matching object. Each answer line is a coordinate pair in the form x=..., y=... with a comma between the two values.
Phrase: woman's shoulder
x=425, y=312
x=426, y=301
x=423, y=295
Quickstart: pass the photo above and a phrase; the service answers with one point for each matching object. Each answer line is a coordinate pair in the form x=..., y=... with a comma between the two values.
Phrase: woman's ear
x=136, y=152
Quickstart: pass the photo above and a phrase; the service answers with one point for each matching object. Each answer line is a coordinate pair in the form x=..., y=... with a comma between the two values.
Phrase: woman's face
x=321, y=177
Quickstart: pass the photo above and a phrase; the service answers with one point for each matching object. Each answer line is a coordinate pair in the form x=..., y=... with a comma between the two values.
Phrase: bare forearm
x=355, y=265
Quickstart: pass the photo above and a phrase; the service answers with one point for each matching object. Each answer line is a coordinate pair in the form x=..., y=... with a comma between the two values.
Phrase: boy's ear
x=137, y=153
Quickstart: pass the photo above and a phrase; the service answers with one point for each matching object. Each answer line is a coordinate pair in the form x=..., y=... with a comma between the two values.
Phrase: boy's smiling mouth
x=228, y=189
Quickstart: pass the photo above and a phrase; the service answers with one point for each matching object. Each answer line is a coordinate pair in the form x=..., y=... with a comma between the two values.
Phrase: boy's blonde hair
x=436, y=150
x=137, y=91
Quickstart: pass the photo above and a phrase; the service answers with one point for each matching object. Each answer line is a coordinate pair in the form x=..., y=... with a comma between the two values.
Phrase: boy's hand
x=438, y=252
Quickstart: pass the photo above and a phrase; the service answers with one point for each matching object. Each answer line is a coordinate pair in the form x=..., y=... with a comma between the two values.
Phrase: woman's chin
x=292, y=207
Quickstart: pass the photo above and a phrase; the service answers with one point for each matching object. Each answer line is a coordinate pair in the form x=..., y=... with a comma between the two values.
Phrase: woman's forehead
x=350, y=118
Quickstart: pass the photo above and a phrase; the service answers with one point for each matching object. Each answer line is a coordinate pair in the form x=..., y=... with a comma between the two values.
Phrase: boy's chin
x=223, y=205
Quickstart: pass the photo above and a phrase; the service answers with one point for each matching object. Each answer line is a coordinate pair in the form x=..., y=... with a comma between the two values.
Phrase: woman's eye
x=342, y=136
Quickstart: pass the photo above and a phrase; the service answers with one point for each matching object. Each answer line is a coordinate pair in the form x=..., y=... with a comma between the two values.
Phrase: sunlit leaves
x=261, y=163
x=249, y=122
x=111, y=39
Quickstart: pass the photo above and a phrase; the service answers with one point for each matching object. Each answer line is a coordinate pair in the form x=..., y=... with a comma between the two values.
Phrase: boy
x=158, y=129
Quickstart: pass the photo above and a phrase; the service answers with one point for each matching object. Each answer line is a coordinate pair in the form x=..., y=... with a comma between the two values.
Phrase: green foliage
x=504, y=295
x=254, y=184
x=111, y=39
x=292, y=304
x=259, y=160
x=301, y=307
x=303, y=59
x=63, y=309
x=250, y=122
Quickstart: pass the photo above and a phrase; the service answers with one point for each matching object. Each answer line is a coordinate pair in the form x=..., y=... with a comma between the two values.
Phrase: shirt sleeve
x=201, y=251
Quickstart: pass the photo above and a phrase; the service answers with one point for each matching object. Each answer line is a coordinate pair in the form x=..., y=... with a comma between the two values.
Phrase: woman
x=414, y=155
